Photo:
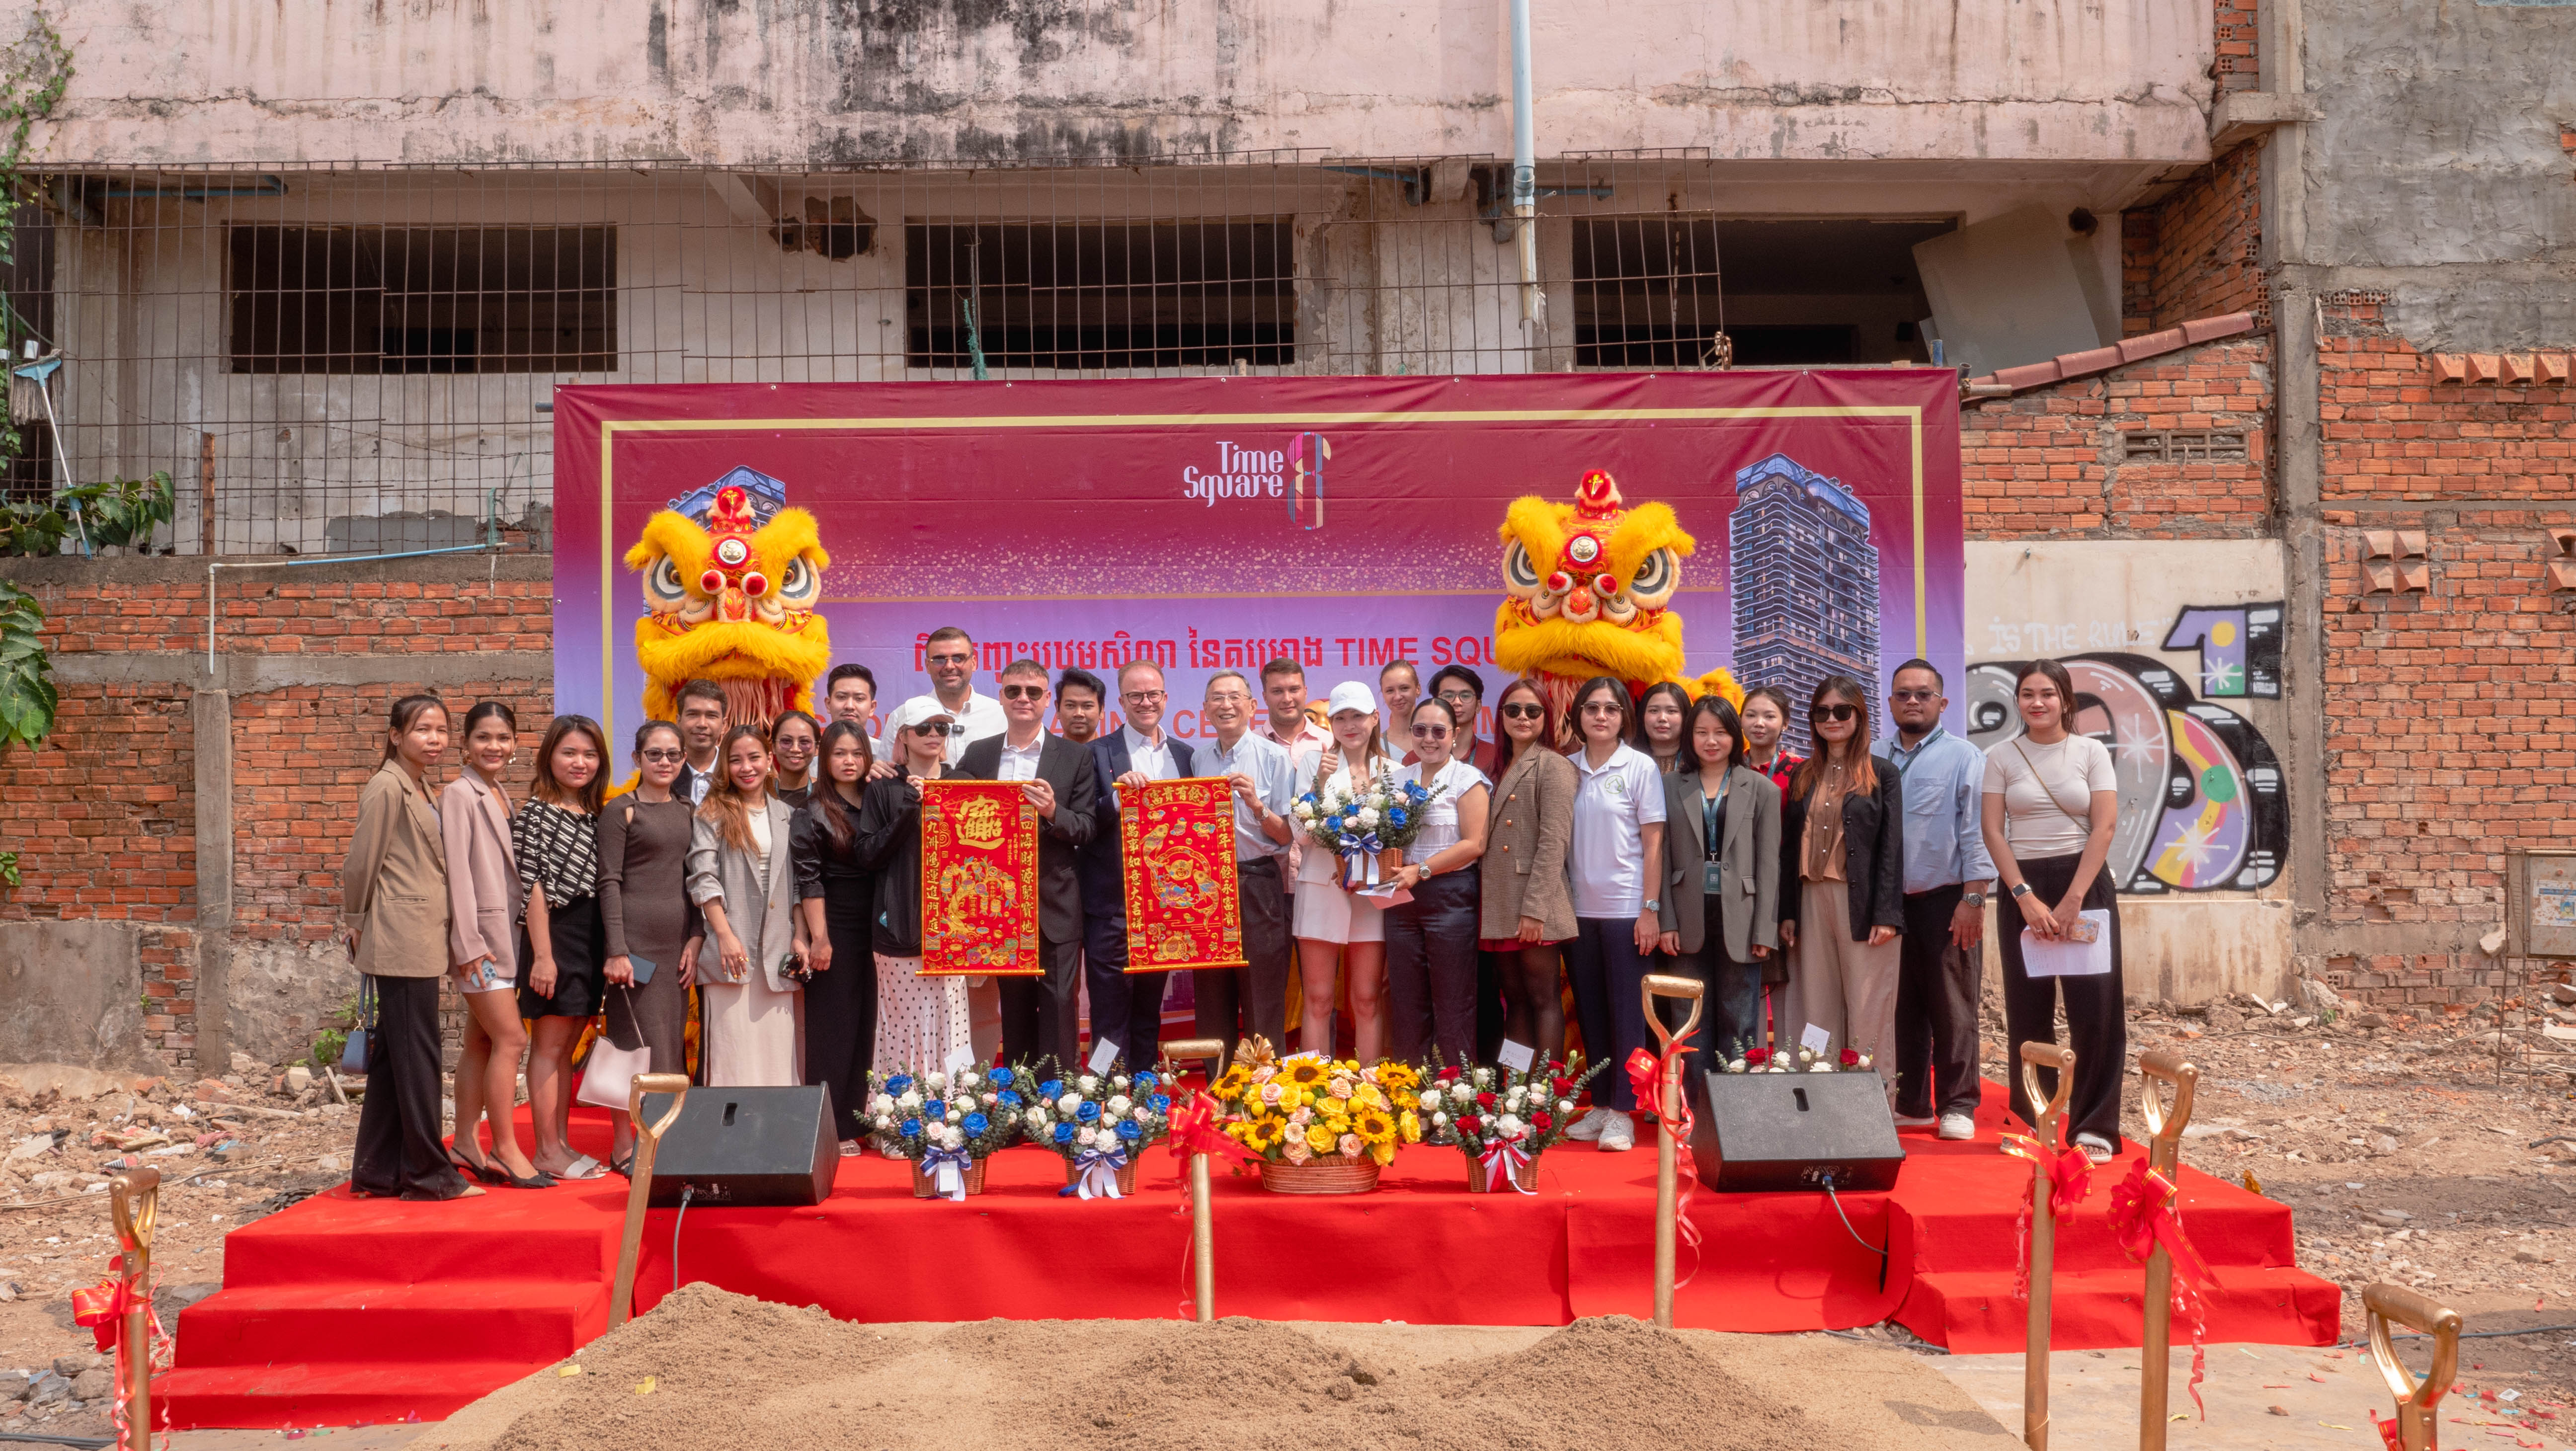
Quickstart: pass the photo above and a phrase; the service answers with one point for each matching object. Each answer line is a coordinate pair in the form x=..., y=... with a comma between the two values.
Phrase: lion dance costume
x=1586, y=586
x=731, y=578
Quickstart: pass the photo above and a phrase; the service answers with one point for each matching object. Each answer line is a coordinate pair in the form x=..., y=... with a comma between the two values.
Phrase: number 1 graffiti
x=2201, y=793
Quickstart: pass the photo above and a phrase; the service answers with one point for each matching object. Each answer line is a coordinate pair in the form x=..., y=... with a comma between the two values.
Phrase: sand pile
x=729, y=1371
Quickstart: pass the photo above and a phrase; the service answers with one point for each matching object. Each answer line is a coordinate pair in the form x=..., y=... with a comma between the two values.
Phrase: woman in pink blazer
x=485, y=899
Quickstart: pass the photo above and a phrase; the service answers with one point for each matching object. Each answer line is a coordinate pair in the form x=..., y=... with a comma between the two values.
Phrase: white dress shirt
x=981, y=716
x=1018, y=764
x=1153, y=757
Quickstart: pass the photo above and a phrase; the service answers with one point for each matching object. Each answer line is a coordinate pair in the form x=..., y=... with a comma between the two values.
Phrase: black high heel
x=497, y=1173
x=470, y=1169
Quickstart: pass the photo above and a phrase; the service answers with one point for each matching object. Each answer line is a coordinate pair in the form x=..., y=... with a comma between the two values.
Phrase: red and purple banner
x=1213, y=523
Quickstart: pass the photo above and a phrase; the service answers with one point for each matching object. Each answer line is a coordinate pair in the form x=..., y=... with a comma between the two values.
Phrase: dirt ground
x=2437, y=1153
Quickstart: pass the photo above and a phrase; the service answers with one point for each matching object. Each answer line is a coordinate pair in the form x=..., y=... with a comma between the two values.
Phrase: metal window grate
x=1100, y=295
x=2169, y=445
x=422, y=299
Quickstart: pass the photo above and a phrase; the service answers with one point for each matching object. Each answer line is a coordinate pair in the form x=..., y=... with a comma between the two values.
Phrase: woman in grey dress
x=645, y=913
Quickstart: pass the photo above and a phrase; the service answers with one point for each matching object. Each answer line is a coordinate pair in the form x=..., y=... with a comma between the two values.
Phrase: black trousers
x=399, y=1150
x=1232, y=1004
x=1431, y=970
x=1041, y=1016
x=1126, y=1008
x=1730, y=1022
x=2097, y=1026
x=1940, y=989
x=841, y=1010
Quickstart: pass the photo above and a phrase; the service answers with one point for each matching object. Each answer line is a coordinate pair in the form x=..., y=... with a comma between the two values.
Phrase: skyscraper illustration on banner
x=1803, y=578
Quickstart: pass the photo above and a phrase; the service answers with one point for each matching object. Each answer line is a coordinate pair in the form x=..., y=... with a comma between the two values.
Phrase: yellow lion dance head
x=730, y=598
x=1587, y=587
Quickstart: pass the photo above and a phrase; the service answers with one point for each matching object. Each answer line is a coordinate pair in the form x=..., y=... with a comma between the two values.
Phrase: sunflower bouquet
x=1307, y=1112
x=1100, y=1124
x=946, y=1124
x=1504, y=1118
x=1369, y=825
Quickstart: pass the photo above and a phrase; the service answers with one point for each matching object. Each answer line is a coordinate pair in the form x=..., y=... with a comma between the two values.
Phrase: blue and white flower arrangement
x=1100, y=1124
x=946, y=1124
x=1368, y=828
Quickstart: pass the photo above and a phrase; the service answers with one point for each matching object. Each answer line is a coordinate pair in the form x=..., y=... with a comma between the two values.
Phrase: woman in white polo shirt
x=1618, y=829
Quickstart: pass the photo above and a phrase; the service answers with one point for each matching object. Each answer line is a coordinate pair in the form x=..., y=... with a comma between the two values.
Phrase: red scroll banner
x=1184, y=907
x=979, y=879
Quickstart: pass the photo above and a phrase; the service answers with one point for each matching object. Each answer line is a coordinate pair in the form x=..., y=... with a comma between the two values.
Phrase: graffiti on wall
x=2201, y=792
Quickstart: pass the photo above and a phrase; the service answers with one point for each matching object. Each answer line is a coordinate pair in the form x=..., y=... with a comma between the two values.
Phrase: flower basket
x=1524, y=1177
x=925, y=1186
x=1126, y=1177
x=1330, y=1174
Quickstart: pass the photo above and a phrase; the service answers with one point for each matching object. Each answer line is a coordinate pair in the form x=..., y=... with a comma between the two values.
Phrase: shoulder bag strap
x=2050, y=787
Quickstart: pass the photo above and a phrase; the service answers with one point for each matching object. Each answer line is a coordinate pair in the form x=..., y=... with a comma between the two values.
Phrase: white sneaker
x=1618, y=1135
x=2096, y=1148
x=1957, y=1126
x=1912, y=1121
x=1588, y=1127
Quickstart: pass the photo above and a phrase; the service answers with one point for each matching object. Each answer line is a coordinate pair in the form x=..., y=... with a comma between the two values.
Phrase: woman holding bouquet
x=1334, y=923
x=1431, y=940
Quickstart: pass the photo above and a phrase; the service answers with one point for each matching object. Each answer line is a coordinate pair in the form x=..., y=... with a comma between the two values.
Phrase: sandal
x=625, y=1166
x=471, y=1170
x=582, y=1167
x=497, y=1174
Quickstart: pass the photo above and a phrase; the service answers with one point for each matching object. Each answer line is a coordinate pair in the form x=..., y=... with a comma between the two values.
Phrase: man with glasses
x=1041, y=1015
x=1126, y=1008
x=1463, y=691
x=950, y=658
x=1940, y=971
x=1233, y=1004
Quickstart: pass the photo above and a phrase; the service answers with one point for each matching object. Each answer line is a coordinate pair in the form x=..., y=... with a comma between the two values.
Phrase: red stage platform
x=341, y=1311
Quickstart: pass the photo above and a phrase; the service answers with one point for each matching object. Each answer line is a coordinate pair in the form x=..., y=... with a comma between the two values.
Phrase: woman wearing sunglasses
x=1431, y=940
x=1528, y=913
x=920, y=1020
x=1842, y=883
x=646, y=921
x=1618, y=829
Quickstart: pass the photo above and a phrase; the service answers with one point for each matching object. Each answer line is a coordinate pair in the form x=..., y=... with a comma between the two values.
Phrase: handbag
x=353, y=1053
x=609, y=1072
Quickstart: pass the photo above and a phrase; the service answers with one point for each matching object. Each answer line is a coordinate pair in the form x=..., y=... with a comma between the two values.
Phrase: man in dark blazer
x=1040, y=1015
x=1125, y=1007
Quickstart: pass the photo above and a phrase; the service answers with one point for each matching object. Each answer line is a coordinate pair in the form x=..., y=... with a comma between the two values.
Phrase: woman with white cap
x=1334, y=923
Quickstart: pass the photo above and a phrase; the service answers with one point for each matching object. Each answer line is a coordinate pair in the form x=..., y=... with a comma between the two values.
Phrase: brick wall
x=2056, y=461
x=2239, y=63
x=2197, y=253
x=2447, y=711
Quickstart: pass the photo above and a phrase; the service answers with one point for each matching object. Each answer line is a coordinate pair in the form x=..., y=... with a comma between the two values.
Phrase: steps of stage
x=304, y=1394
x=1973, y=1312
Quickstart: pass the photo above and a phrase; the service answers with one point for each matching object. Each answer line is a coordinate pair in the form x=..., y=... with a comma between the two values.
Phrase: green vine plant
x=27, y=696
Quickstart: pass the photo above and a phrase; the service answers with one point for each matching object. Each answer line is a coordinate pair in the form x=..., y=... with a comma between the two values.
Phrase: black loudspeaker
x=746, y=1146
x=1775, y=1131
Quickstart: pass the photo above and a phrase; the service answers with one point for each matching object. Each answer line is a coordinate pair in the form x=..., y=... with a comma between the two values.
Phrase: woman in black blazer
x=1721, y=899
x=1842, y=883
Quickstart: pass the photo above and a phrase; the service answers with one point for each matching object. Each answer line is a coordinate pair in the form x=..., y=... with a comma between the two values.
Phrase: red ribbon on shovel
x=2070, y=1178
x=2145, y=1214
x=1646, y=1077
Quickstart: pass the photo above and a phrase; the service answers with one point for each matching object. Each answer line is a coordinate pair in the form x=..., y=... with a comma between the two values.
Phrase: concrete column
x=210, y=721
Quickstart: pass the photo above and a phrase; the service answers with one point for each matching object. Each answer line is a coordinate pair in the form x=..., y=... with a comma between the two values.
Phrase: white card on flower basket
x=959, y=1059
x=1516, y=1056
x=1815, y=1039
x=1104, y=1052
x=1385, y=895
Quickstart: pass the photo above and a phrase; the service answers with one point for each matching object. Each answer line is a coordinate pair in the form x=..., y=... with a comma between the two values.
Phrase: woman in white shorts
x=1333, y=925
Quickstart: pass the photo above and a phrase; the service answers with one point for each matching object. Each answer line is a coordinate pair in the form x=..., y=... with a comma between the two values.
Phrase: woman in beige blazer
x=393, y=916
x=485, y=900
x=1527, y=909
x=742, y=875
x=1721, y=899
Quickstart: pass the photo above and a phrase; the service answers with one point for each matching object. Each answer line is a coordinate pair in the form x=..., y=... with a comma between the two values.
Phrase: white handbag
x=609, y=1073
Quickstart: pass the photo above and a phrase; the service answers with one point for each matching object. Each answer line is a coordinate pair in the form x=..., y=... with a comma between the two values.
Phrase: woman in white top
x=2052, y=800
x=742, y=875
x=1618, y=921
x=1333, y=924
x=1431, y=940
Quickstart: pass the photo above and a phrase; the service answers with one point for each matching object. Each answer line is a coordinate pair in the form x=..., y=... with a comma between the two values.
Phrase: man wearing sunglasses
x=949, y=656
x=1041, y=1015
x=1940, y=971
x=1126, y=1008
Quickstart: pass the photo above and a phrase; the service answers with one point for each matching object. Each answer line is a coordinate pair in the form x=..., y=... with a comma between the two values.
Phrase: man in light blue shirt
x=1237, y=1003
x=1940, y=974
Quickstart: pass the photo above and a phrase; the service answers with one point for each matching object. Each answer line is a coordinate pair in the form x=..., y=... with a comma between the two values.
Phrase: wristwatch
x=2021, y=889
x=1654, y=904
x=1972, y=899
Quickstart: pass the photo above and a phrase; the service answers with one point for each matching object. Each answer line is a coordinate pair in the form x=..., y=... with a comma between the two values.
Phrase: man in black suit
x=1040, y=1015
x=1126, y=1008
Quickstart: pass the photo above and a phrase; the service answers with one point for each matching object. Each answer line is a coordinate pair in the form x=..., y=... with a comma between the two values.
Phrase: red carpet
x=341, y=1311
